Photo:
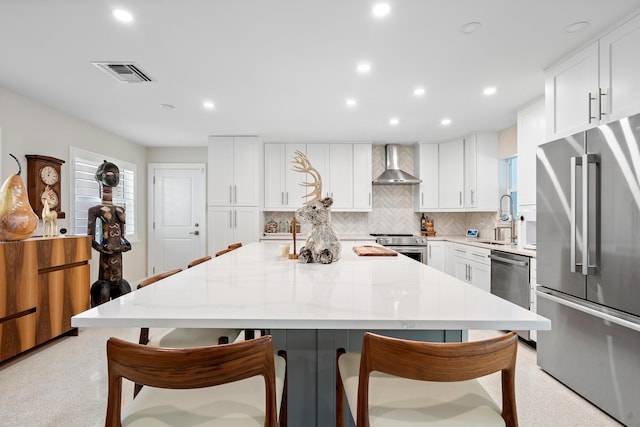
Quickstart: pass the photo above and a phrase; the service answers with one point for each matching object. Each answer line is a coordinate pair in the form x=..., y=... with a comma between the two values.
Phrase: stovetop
x=400, y=239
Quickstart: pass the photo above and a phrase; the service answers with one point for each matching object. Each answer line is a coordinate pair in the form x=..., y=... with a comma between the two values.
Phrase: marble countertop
x=483, y=243
x=253, y=287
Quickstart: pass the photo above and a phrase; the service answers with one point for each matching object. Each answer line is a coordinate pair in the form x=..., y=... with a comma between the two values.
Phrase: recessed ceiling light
x=381, y=10
x=576, y=26
x=208, y=105
x=351, y=102
x=122, y=15
x=470, y=27
x=394, y=121
x=364, y=68
x=419, y=91
x=445, y=122
x=167, y=106
x=489, y=90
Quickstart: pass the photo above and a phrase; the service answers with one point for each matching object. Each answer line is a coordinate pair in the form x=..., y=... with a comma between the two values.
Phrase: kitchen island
x=313, y=309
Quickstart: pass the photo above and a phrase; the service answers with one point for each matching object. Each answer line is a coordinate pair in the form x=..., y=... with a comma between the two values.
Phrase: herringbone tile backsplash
x=393, y=209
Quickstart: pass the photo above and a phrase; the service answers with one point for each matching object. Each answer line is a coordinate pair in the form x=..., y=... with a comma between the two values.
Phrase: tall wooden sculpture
x=106, y=224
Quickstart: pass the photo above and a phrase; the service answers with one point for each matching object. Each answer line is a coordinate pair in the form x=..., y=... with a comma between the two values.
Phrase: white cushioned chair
x=239, y=384
x=395, y=382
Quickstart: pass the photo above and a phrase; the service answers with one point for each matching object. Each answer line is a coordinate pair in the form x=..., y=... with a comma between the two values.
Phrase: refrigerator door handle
x=575, y=162
x=588, y=216
x=588, y=310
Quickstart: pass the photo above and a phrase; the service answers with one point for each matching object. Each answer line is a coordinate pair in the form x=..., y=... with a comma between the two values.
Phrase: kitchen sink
x=493, y=242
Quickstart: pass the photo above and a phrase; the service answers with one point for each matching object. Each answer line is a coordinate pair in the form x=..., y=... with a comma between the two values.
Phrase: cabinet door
x=274, y=176
x=451, y=174
x=619, y=70
x=487, y=192
x=245, y=225
x=362, y=177
x=341, y=176
x=470, y=171
x=480, y=275
x=425, y=194
x=435, y=255
x=220, y=171
x=246, y=170
x=461, y=267
x=220, y=224
x=318, y=155
x=571, y=92
x=294, y=189
x=531, y=133
x=450, y=258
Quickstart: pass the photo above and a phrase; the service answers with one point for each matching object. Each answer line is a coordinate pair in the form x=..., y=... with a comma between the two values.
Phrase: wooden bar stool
x=426, y=384
x=236, y=384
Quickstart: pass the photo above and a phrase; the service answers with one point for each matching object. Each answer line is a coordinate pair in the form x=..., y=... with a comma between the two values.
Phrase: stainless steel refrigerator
x=588, y=255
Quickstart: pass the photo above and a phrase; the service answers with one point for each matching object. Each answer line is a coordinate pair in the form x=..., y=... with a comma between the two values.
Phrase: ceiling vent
x=124, y=71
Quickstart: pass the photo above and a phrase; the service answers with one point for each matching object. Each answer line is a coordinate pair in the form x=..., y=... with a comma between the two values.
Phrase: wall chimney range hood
x=393, y=174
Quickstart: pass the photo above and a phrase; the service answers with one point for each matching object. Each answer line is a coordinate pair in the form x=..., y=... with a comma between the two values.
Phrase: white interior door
x=177, y=208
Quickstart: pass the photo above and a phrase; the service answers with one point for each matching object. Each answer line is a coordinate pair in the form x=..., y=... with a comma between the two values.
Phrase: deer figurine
x=49, y=220
x=322, y=245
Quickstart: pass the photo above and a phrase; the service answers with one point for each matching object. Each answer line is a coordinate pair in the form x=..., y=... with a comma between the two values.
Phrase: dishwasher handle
x=509, y=261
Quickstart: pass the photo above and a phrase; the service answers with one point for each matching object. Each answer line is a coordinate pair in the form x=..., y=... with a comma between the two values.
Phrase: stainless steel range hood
x=393, y=174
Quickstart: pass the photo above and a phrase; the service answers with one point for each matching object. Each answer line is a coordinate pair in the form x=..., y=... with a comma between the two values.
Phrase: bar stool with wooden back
x=199, y=261
x=425, y=383
x=239, y=384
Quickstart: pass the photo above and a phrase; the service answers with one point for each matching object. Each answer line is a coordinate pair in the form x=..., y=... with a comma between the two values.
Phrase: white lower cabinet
x=449, y=258
x=435, y=255
x=473, y=265
x=231, y=224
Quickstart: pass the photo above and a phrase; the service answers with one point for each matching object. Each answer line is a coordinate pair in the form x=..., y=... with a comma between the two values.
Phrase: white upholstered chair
x=239, y=384
x=395, y=382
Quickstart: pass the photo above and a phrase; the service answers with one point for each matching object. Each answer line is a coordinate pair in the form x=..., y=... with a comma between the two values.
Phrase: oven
x=414, y=247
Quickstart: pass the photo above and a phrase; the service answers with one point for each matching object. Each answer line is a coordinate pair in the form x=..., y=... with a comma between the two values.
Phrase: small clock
x=43, y=183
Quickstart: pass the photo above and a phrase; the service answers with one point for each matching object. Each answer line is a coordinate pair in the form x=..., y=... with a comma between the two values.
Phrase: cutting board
x=373, y=251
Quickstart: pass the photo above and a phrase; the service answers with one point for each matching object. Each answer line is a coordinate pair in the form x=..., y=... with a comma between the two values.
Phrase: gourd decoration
x=18, y=221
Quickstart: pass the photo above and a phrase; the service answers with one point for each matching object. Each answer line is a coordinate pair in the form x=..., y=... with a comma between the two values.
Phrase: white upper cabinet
x=362, y=177
x=619, y=70
x=425, y=194
x=481, y=171
x=283, y=189
x=571, y=92
x=233, y=171
x=451, y=175
x=531, y=133
x=596, y=85
x=345, y=170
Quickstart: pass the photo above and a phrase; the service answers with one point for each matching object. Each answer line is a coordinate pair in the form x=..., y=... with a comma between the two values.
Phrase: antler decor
x=302, y=164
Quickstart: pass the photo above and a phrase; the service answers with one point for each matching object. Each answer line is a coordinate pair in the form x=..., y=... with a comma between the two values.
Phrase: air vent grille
x=126, y=72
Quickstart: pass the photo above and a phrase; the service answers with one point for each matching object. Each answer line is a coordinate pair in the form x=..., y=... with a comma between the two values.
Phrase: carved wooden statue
x=106, y=223
x=322, y=245
x=49, y=219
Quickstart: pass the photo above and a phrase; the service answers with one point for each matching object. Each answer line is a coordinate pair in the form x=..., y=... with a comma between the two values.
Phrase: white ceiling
x=282, y=69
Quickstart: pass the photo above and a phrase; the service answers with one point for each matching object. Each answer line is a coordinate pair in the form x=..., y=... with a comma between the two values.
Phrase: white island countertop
x=253, y=287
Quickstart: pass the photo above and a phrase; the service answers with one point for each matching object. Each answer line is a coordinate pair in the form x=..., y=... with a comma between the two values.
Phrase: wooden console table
x=43, y=282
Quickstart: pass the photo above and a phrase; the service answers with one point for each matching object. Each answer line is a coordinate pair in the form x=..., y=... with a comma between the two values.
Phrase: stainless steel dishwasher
x=510, y=280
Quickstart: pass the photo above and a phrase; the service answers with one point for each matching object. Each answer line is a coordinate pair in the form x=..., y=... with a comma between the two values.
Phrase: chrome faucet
x=513, y=219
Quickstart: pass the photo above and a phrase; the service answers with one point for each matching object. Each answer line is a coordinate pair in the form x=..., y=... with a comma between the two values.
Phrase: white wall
x=29, y=127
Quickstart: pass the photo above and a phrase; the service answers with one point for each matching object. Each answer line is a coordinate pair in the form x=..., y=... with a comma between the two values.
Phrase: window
x=86, y=192
x=509, y=182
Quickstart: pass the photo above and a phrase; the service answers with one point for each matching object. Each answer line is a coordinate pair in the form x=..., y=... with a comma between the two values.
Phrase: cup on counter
x=285, y=249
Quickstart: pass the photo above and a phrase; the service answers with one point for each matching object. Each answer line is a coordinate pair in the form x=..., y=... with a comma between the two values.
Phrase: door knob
x=197, y=233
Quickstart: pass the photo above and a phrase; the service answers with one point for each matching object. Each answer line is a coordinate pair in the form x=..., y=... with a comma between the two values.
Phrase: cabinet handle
x=230, y=195
x=472, y=201
x=589, y=99
x=235, y=194
x=369, y=198
x=230, y=219
x=282, y=198
x=460, y=250
x=422, y=199
x=460, y=194
x=235, y=219
x=470, y=276
x=600, y=95
x=429, y=251
x=287, y=198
